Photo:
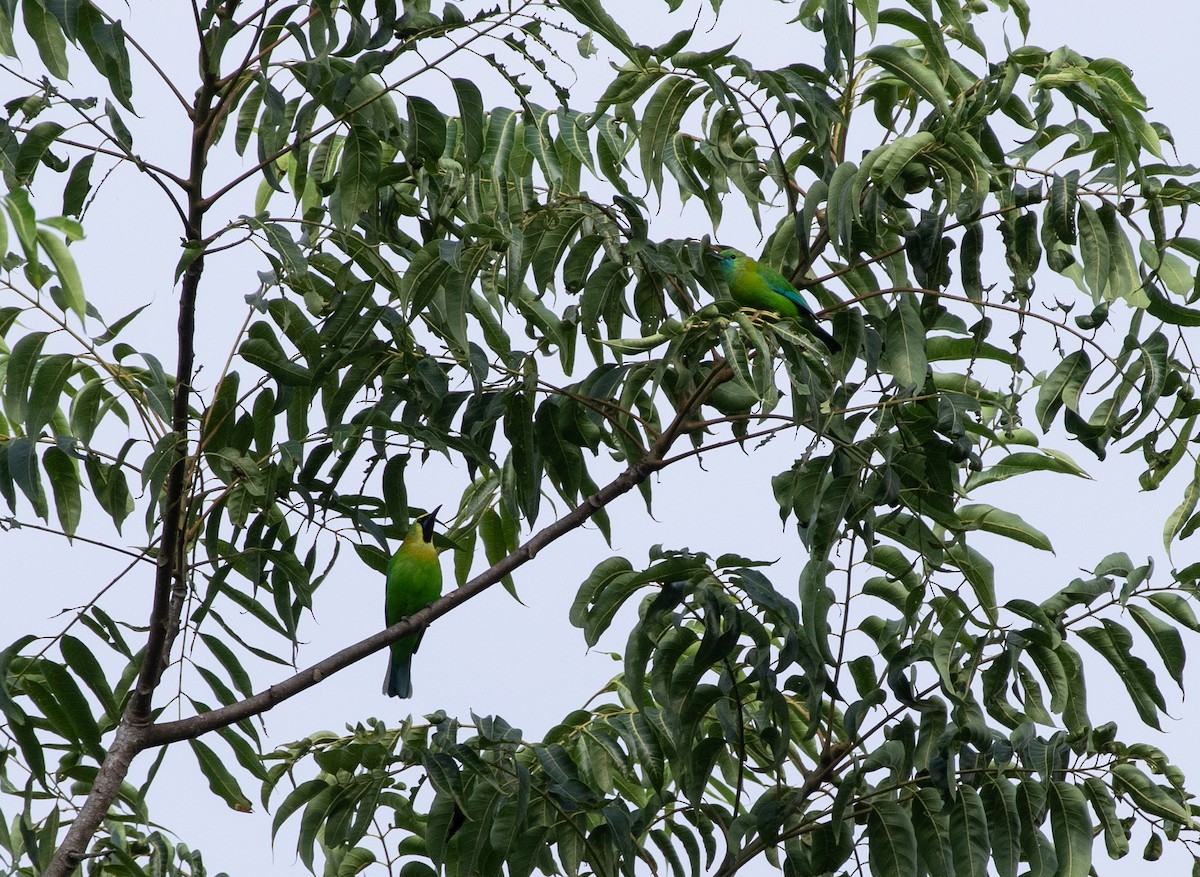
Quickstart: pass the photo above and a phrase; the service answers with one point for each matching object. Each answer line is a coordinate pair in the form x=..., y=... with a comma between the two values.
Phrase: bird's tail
x=398, y=681
x=818, y=330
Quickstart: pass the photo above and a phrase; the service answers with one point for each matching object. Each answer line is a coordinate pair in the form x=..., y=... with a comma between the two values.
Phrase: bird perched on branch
x=761, y=287
x=414, y=580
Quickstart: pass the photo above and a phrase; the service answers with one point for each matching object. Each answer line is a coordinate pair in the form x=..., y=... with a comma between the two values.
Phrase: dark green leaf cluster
x=732, y=737
x=453, y=278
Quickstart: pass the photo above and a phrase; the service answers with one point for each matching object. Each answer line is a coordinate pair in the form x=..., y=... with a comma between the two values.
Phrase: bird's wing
x=781, y=285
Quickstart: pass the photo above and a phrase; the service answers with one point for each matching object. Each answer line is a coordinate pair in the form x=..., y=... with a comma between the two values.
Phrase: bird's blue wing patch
x=793, y=297
x=780, y=284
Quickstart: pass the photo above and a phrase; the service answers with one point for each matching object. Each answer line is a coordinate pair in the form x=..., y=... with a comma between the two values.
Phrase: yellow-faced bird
x=761, y=287
x=414, y=580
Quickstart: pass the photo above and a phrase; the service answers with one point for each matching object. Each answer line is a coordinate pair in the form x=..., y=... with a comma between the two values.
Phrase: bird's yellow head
x=726, y=257
x=427, y=522
x=722, y=254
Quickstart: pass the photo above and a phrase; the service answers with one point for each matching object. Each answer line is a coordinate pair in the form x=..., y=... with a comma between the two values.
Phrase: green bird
x=414, y=580
x=761, y=287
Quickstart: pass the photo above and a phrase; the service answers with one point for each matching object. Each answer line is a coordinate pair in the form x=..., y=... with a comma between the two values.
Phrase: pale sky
x=527, y=663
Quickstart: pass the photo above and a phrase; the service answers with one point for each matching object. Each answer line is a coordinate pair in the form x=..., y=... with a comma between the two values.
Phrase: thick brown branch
x=184, y=729
x=631, y=477
x=170, y=586
x=127, y=744
x=135, y=734
x=170, y=580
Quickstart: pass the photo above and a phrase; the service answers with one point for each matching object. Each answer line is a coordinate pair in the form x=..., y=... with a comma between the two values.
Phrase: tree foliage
x=445, y=278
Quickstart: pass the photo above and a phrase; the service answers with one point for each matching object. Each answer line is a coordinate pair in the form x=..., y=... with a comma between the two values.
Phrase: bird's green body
x=414, y=580
x=761, y=287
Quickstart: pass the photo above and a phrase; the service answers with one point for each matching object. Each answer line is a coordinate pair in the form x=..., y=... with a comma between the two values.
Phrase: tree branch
x=170, y=585
x=633, y=475
x=134, y=736
x=127, y=744
x=194, y=726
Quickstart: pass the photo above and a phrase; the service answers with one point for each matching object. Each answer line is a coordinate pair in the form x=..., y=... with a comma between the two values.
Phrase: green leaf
x=1161, y=307
x=75, y=707
x=1116, y=838
x=63, y=472
x=247, y=116
x=1128, y=780
x=357, y=859
x=1182, y=514
x=285, y=246
x=1023, y=462
x=47, y=387
x=22, y=362
x=498, y=541
x=426, y=274
x=526, y=461
x=120, y=132
x=24, y=222
x=979, y=573
x=1113, y=642
x=296, y=798
x=111, y=489
x=1093, y=249
x=969, y=834
x=661, y=121
x=932, y=829
x=905, y=340
x=561, y=229
x=471, y=116
x=912, y=71
x=23, y=465
x=1036, y=850
x=573, y=132
x=993, y=520
x=220, y=780
x=47, y=35
x=602, y=593
x=869, y=10
x=1064, y=192
x=1173, y=272
x=104, y=42
x=222, y=652
x=892, y=842
x=1053, y=672
x=315, y=816
x=1071, y=829
x=1124, y=280
x=358, y=176
x=85, y=410
x=1165, y=639
x=263, y=349
x=843, y=205
x=83, y=662
x=426, y=131
x=33, y=150
x=1063, y=387
x=999, y=798
x=1177, y=607
x=591, y=13
x=501, y=132
x=941, y=347
x=895, y=156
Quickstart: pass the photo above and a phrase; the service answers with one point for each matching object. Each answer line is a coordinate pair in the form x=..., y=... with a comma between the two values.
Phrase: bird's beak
x=427, y=521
